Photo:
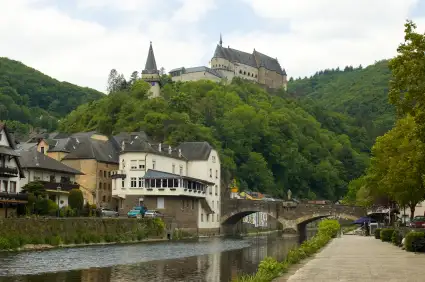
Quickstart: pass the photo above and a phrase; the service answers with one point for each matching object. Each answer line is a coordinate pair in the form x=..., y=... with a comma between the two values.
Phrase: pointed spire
x=221, y=40
x=150, y=66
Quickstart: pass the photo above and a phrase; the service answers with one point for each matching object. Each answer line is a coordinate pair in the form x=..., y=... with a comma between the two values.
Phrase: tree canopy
x=267, y=141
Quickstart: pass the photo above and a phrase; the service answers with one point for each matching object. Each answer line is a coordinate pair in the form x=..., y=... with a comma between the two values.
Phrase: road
x=365, y=259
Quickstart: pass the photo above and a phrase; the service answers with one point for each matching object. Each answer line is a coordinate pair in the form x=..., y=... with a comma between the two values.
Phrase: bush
x=411, y=240
x=396, y=238
x=378, y=233
x=76, y=200
x=329, y=227
x=386, y=234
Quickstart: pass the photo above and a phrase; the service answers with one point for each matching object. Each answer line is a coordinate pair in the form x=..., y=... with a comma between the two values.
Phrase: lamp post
x=59, y=188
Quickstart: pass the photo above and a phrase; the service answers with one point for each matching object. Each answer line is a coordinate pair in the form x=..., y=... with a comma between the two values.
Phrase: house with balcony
x=11, y=174
x=57, y=178
x=93, y=154
x=181, y=182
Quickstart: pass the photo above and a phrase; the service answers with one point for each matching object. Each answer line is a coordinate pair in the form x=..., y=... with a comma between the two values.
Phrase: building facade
x=11, y=174
x=183, y=182
x=57, y=178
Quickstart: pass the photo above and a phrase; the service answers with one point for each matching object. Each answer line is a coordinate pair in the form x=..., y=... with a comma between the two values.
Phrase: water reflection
x=223, y=264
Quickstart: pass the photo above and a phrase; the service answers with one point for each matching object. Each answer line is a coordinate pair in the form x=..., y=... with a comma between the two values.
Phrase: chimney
x=123, y=145
x=180, y=153
x=170, y=150
x=159, y=147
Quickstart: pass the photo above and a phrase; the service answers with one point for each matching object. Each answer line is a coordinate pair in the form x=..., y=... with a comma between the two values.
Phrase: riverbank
x=46, y=233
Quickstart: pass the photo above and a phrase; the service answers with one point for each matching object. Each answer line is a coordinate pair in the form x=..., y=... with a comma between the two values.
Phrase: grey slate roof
x=198, y=69
x=234, y=55
x=150, y=66
x=143, y=145
x=36, y=160
x=128, y=136
x=256, y=59
x=195, y=151
x=84, y=147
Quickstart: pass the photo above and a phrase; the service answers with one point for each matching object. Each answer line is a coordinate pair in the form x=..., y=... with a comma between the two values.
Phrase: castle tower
x=221, y=40
x=151, y=74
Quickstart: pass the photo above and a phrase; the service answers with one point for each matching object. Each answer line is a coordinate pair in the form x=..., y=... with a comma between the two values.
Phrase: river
x=209, y=259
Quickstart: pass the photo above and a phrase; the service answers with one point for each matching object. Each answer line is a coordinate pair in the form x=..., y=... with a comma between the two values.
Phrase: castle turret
x=151, y=74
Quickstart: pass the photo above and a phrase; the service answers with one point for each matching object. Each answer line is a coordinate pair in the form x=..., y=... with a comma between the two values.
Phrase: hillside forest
x=30, y=99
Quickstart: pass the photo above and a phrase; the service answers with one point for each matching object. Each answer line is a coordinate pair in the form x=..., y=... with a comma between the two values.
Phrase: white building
x=183, y=182
x=257, y=219
x=57, y=178
x=10, y=175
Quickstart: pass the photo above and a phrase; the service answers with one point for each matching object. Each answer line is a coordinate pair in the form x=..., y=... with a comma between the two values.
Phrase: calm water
x=214, y=259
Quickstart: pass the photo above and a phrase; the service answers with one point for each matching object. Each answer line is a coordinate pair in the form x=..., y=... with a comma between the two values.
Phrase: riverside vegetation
x=270, y=268
x=16, y=233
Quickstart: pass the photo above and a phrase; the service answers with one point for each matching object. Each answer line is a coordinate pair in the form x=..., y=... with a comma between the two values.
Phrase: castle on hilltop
x=225, y=64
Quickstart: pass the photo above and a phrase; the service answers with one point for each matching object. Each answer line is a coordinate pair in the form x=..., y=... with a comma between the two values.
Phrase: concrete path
x=365, y=259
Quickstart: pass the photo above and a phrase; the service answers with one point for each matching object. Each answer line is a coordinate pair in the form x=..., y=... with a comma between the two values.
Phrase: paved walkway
x=365, y=259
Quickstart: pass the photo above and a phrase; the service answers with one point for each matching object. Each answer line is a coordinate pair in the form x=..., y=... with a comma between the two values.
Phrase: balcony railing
x=118, y=174
x=67, y=186
x=8, y=171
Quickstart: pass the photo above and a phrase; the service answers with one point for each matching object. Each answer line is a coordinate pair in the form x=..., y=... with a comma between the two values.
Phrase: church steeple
x=221, y=40
x=150, y=66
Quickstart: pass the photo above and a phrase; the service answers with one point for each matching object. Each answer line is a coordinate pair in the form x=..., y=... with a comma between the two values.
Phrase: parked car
x=417, y=222
x=108, y=213
x=153, y=213
x=134, y=214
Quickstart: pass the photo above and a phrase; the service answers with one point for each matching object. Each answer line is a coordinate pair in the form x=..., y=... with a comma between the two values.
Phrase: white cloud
x=193, y=10
x=328, y=33
x=83, y=52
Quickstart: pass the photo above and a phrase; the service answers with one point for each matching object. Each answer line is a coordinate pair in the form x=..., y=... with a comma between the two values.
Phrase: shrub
x=76, y=199
x=329, y=227
x=378, y=233
x=411, y=239
x=386, y=234
x=4, y=244
x=396, y=238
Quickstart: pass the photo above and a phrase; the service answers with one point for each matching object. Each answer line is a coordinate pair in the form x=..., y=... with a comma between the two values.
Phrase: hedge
x=270, y=268
x=17, y=232
x=386, y=234
x=396, y=238
x=411, y=240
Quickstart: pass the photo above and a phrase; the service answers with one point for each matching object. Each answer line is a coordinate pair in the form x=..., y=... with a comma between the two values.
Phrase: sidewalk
x=365, y=259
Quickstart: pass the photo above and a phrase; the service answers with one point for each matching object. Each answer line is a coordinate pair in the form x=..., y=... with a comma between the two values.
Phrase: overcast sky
x=80, y=41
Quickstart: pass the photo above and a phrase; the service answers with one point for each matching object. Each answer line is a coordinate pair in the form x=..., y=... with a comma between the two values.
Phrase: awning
x=57, y=191
x=206, y=206
x=156, y=174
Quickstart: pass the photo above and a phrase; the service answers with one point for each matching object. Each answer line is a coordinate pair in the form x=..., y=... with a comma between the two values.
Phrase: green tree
x=36, y=188
x=76, y=199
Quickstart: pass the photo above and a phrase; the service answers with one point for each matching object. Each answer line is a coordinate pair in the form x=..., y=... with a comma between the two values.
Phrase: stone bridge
x=293, y=216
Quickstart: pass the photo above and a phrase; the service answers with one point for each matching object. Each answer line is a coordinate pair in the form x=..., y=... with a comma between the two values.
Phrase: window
x=240, y=71
x=141, y=164
x=160, y=203
x=153, y=164
x=174, y=168
x=104, y=173
x=181, y=170
x=216, y=190
x=208, y=218
x=140, y=182
x=213, y=159
x=100, y=173
x=42, y=150
x=109, y=174
x=133, y=164
x=12, y=187
x=100, y=186
x=210, y=172
x=202, y=217
x=104, y=198
x=122, y=183
x=52, y=178
x=133, y=182
x=216, y=173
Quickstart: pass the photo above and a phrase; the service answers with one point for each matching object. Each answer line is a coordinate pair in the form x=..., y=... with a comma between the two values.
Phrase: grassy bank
x=35, y=233
x=269, y=268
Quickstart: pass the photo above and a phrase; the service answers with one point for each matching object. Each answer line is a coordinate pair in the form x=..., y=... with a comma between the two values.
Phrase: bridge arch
x=298, y=224
x=239, y=215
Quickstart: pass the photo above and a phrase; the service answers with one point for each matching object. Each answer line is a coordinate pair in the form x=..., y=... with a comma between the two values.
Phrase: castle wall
x=194, y=76
x=270, y=78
